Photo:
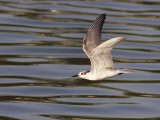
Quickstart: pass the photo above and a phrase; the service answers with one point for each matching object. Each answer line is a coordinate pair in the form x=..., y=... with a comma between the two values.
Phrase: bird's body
x=99, y=53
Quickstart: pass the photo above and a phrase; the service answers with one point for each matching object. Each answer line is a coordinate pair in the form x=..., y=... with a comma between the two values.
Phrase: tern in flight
x=99, y=53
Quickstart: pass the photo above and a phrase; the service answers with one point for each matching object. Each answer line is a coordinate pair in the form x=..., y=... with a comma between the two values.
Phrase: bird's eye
x=81, y=73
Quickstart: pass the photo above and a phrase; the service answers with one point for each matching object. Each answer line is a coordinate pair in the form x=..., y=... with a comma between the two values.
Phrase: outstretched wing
x=101, y=57
x=93, y=36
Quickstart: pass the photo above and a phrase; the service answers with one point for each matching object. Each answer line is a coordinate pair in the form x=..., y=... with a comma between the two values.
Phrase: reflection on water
x=41, y=48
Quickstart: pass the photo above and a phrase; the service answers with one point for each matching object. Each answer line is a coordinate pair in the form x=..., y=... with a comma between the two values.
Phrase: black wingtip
x=104, y=14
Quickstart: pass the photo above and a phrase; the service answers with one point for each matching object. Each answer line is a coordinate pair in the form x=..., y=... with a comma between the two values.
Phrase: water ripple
x=41, y=48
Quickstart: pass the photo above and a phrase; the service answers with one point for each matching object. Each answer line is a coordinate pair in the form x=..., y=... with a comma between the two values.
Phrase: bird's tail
x=121, y=71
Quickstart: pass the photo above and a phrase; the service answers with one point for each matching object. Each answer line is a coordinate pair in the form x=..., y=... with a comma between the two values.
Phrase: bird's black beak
x=75, y=75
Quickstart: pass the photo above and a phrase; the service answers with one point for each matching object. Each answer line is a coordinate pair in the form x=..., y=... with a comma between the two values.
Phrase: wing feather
x=93, y=36
x=101, y=57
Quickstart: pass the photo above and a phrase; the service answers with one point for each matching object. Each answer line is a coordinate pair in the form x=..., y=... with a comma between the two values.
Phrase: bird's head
x=82, y=74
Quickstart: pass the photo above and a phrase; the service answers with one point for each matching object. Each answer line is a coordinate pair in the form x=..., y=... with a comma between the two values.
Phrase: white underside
x=100, y=76
x=104, y=74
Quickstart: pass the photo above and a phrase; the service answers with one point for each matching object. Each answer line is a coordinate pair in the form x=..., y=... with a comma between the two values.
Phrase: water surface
x=41, y=48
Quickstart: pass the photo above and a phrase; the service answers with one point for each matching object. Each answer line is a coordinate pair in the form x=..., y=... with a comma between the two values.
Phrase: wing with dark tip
x=93, y=36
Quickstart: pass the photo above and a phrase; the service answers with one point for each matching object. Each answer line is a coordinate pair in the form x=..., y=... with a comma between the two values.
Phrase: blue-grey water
x=41, y=48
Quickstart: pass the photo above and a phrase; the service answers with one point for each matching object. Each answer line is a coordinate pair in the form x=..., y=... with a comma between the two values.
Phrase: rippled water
x=41, y=48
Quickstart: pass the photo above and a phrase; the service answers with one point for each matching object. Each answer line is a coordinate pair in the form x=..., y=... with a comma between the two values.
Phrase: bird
x=99, y=53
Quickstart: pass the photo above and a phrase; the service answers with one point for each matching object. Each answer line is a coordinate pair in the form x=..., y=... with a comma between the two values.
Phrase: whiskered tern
x=99, y=53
